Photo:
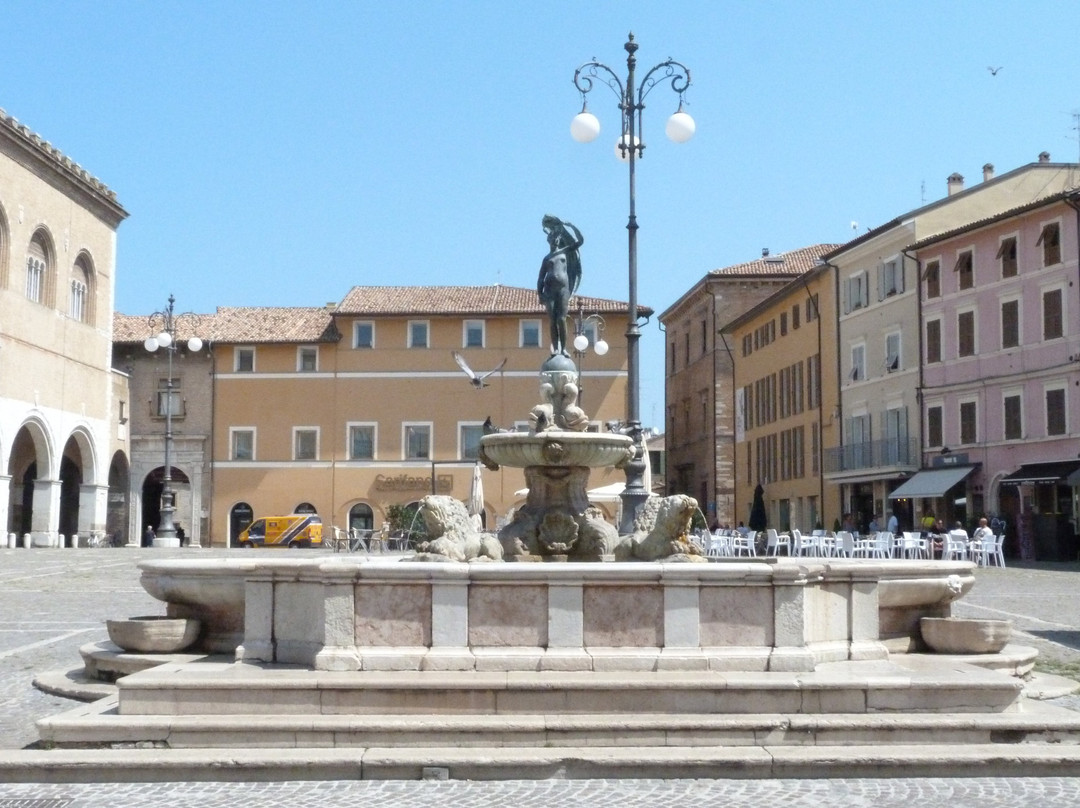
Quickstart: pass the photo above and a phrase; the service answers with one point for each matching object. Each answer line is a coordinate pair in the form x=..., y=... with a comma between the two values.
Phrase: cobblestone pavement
x=54, y=601
x=988, y=792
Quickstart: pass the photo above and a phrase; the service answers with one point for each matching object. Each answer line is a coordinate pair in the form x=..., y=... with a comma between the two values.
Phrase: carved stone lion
x=453, y=537
x=662, y=531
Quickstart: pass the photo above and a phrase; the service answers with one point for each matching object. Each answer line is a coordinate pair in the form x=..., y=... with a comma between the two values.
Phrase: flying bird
x=477, y=379
x=993, y=70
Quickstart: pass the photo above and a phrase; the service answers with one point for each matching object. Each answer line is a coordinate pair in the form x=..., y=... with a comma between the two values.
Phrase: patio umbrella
x=475, y=505
x=758, y=517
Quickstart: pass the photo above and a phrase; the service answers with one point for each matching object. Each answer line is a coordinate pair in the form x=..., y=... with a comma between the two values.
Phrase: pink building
x=1000, y=375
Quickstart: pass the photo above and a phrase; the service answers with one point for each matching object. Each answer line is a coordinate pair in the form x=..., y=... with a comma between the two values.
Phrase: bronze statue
x=560, y=274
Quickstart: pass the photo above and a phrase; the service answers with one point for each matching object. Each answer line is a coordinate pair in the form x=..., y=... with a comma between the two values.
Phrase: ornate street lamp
x=163, y=326
x=630, y=147
x=582, y=323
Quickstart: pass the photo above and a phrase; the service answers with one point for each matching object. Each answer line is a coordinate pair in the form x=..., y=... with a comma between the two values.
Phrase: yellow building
x=350, y=409
x=62, y=436
x=786, y=402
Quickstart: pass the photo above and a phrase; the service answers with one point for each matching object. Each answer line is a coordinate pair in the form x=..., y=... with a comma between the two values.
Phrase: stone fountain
x=410, y=664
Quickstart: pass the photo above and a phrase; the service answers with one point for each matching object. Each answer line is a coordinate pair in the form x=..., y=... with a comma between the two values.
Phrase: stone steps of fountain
x=905, y=685
x=100, y=725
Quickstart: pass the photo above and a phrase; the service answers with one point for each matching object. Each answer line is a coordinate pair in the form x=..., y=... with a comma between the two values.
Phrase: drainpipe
x=667, y=375
x=821, y=400
x=734, y=415
x=919, y=388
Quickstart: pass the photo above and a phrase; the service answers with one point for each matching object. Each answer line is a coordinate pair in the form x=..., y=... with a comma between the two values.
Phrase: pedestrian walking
x=149, y=536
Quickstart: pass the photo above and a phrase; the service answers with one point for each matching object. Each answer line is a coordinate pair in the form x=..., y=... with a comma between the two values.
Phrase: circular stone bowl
x=153, y=635
x=957, y=635
x=558, y=448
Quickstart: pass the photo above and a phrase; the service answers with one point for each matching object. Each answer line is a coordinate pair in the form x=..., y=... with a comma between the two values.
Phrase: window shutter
x=881, y=281
x=900, y=274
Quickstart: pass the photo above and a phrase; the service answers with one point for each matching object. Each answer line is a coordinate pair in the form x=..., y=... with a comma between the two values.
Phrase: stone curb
x=1044, y=686
x=168, y=765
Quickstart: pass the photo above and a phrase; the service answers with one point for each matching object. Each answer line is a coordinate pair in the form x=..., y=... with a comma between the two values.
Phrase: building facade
x=699, y=368
x=786, y=404
x=63, y=440
x=350, y=410
x=879, y=355
x=1000, y=313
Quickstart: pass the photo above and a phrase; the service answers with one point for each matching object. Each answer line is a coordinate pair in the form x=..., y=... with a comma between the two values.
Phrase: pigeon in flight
x=477, y=379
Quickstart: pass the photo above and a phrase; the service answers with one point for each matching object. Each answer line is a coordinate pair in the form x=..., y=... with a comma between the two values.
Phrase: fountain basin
x=153, y=634
x=956, y=635
x=558, y=448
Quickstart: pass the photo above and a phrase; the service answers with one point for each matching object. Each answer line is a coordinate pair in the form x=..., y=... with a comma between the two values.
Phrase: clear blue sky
x=275, y=153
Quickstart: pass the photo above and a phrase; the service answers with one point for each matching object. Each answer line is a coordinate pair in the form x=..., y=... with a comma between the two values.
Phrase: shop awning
x=931, y=482
x=1067, y=472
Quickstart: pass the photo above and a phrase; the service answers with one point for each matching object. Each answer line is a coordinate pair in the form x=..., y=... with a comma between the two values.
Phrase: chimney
x=1044, y=157
x=955, y=183
x=764, y=252
x=988, y=172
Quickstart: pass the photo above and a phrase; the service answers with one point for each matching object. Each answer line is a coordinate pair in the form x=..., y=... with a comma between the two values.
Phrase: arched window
x=80, y=300
x=305, y=507
x=361, y=517
x=37, y=269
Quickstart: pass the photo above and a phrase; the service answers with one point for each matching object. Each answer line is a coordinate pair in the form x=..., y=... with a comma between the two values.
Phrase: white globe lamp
x=680, y=126
x=584, y=127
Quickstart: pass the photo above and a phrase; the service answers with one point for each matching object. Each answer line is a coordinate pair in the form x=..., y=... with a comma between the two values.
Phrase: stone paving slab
x=968, y=792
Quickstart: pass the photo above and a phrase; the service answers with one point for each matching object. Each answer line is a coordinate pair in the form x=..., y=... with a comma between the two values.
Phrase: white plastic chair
x=954, y=545
x=774, y=541
x=743, y=544
x=719, y=546
x=913, y=545
x=845, y=544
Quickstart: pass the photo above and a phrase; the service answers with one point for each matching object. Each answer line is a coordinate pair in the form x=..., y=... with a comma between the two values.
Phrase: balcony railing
x=873, y=454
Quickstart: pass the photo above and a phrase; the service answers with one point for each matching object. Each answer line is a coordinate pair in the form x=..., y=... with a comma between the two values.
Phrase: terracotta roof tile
x=795, y=262
x=451, y=300
x=235, y=324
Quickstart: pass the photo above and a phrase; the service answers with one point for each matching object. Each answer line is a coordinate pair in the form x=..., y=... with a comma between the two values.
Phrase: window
x=1007, y=256
x=169, y=401
x=795, y=312
x=307, y=359
x=244, y=360
x=857, y=292
x=933, y=341
x=892, y=352
x=305, y=443
x=472, y=334
x=858, y=363
x=1055, y=411
x=965, y=333
x=890, y=278
x=361, y=441
x=242, y=440
x=812, y=309
x=1013, y=416
x=1010, y=324
x=783, y=324
x=969, y=413
x=363, y=334
x=35, y=277
x=416, y=441
x=529, y=333
x=361, y=517
x=1052, y=323
x=932, y=279
x=1050, y=239
x=79, y=300
x=965, y=273
x=469, y=440
x=418, y=333
x=933, y=426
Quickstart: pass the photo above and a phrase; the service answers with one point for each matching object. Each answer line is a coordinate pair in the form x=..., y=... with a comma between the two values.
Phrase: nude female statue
x=560, y=274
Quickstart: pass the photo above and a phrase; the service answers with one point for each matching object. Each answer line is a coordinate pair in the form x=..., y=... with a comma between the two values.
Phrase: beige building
x=350, y=409
x=699, y=367
x=785, y=402
x=62, y=431
x=878, y=342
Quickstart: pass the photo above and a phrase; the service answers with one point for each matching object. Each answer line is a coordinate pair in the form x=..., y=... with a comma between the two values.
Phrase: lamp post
x=630, y=147
x=581, y=343
x=165, y=324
